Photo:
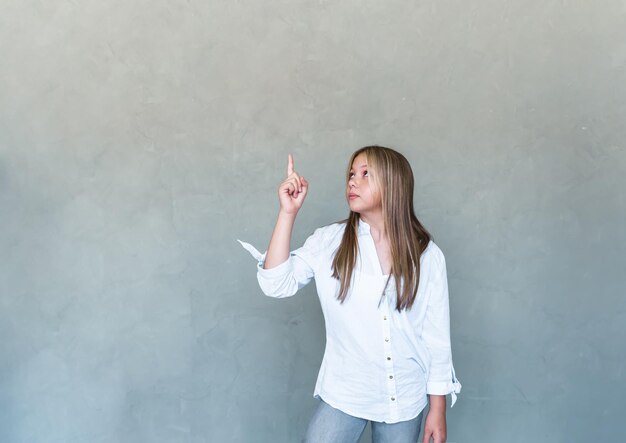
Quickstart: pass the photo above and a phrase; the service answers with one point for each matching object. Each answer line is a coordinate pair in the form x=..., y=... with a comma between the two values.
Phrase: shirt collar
x=364, y=228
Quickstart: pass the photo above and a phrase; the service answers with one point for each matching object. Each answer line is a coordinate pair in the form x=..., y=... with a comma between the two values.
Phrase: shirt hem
x=332, y=403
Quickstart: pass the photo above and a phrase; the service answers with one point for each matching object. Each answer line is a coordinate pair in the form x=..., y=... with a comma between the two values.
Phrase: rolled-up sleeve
x=285, y=279
x=436, y=332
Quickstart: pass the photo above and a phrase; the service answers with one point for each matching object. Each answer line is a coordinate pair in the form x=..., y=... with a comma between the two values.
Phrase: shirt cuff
x=445, y=388
x=276, y=271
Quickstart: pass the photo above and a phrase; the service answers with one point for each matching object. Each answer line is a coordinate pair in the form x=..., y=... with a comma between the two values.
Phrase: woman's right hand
x=292, y=190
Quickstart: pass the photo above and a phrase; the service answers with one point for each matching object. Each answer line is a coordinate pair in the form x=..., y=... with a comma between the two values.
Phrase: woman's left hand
x=435, y=426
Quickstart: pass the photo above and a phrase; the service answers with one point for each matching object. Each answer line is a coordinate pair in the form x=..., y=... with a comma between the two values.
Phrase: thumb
x=305, y=187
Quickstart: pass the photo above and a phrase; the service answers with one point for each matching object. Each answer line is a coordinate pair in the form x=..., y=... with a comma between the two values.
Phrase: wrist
x=282, y=214
x=437, y=403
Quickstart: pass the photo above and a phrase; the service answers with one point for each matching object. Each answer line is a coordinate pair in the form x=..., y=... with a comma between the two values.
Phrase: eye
x=366, y=173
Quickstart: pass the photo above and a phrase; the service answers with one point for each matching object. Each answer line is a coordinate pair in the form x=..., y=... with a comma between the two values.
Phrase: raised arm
x=291, y=194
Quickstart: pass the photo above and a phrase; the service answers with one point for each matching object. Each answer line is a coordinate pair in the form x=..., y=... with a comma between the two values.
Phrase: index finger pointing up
x=290, y=166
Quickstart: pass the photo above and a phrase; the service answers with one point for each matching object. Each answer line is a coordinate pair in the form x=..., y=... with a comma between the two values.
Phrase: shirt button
x=393, y=398
x=388, y=358
x=390, y=377
x=386, y=338
x=385, y=317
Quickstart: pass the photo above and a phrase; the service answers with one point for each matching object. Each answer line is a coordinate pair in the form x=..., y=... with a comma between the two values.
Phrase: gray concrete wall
x=138, y=140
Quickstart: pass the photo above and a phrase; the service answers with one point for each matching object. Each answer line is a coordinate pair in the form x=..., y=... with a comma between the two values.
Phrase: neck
x=376, y=225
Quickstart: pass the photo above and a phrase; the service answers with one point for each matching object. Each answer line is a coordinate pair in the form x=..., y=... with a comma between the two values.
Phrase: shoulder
x=330, y=231
x=333, y=230
x=327, y=235
x=433, y=256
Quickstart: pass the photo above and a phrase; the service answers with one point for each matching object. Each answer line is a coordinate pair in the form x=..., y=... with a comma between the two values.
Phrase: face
x=367, y=199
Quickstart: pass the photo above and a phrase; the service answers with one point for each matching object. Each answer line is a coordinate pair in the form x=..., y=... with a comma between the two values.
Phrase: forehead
x=360, y=161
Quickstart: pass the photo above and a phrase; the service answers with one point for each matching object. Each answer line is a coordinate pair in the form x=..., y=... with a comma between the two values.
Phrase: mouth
x=351, y=196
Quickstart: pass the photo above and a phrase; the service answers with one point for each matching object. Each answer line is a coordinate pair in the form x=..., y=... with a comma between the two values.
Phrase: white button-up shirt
x=379, y=363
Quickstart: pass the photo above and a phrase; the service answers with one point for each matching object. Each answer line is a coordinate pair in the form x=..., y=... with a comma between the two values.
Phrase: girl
x=388, y=351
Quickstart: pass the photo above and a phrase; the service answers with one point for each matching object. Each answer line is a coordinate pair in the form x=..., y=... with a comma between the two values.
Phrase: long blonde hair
x=390, y=174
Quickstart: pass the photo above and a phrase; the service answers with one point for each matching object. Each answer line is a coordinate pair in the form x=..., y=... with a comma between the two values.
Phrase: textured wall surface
x=138, y=140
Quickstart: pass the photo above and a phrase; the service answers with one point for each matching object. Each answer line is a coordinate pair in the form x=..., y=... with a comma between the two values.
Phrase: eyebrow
x=362, y=166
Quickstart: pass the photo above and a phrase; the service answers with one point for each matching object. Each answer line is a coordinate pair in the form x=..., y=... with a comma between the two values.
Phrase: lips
x=352, y=195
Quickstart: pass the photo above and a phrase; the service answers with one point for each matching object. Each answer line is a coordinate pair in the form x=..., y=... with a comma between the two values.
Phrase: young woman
x=388, y=352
